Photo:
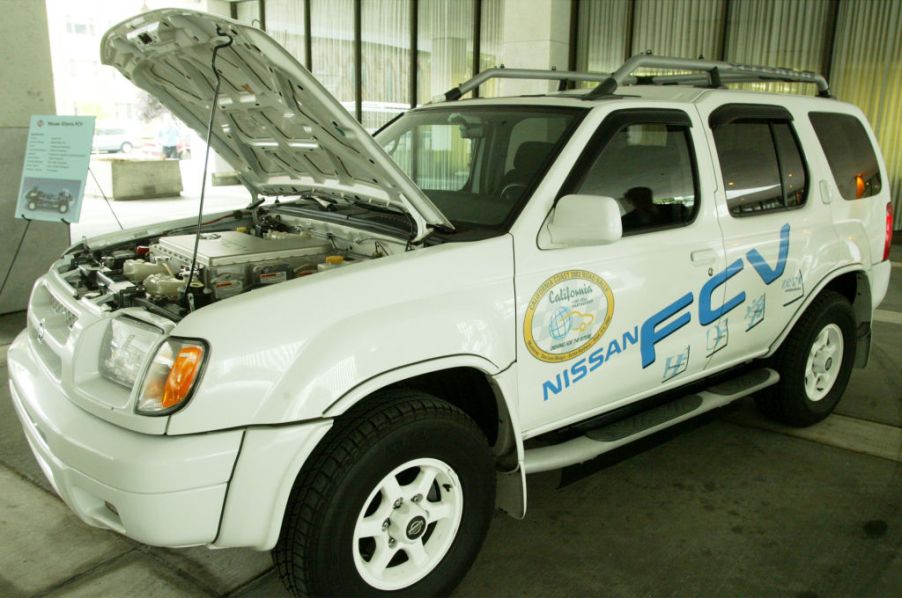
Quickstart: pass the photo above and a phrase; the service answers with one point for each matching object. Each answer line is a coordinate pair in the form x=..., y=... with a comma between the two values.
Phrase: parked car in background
x=112, y=141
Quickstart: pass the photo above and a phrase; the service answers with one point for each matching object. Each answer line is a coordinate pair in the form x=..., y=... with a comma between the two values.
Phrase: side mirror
x=585, y=220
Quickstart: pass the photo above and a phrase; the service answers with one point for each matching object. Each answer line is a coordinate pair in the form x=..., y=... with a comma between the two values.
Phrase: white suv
x=356, y=374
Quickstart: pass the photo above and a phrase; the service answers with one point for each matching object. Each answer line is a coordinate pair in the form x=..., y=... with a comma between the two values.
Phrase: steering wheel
x=512, y=191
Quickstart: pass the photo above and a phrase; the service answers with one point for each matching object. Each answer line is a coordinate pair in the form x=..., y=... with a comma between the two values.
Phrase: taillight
x=889, y=231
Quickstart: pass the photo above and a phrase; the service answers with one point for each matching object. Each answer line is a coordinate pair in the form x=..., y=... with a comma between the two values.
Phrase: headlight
x=126, y=347
x=171, y=377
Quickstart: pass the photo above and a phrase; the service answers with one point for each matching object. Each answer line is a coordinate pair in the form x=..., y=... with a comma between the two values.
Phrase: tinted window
x=849, y=153
x=478, y=164
x=792, y=168
x=761, y=165
x=648, y=168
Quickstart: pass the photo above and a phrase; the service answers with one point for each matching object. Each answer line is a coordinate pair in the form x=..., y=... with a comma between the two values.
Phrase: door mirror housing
x=585, y=220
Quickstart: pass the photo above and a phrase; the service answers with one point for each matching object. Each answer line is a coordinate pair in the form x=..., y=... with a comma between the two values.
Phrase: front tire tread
x=353, y=433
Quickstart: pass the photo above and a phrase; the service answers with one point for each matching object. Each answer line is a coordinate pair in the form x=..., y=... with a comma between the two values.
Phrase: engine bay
x=235, y=254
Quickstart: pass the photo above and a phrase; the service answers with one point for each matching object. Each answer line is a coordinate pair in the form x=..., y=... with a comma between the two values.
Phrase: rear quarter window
x=849, y=152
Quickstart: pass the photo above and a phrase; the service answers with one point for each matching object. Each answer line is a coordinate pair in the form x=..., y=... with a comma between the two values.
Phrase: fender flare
x=404, y=372
x=291, y=445
x=510, y=483
x=862, y=307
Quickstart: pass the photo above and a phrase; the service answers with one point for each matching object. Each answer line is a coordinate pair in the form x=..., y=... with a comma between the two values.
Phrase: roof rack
x=534, y=74
x=714, y=74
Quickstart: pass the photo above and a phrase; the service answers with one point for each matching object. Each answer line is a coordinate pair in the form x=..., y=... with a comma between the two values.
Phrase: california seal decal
x=567, y=315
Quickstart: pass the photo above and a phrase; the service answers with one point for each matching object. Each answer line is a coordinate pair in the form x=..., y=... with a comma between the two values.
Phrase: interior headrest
x=531, y=154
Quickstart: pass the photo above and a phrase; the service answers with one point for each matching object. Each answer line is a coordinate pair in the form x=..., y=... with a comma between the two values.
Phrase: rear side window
x=849, y=153
x=762, y=166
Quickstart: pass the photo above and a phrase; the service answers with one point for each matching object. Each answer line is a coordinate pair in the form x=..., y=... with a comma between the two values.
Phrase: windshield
x=478, y=164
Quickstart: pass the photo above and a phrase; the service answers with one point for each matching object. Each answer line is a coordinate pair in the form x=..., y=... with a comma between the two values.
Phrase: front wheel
x=814, y=363
x=397, y=499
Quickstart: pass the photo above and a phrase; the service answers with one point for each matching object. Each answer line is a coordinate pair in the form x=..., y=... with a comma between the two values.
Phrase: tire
x=814, y=364
x=126, y=147
x=63, y=207
x=345, y=490
x=32, y=206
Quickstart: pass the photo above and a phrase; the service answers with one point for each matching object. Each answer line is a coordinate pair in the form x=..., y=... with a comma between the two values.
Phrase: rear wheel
x=397, y=499
x=814, y=364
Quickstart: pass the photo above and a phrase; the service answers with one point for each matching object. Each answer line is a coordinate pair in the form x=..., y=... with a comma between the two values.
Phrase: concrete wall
x=27, y=89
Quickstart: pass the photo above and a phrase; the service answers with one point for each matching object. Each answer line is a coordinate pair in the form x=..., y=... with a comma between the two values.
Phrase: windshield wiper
x=446, y=230
x=386, y=209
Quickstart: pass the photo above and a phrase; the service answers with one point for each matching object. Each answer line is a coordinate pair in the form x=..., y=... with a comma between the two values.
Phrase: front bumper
x=159, y=490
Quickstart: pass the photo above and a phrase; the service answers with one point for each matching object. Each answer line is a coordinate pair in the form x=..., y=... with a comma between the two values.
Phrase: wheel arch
x=478, y=388
x=853, y=283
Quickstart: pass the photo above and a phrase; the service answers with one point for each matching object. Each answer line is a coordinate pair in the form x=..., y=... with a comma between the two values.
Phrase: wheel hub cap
x=416, y=527
x=824, y=362
x=407, y=524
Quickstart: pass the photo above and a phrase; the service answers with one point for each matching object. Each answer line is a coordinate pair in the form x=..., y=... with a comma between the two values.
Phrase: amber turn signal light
x=181, y=378
x=171, y=377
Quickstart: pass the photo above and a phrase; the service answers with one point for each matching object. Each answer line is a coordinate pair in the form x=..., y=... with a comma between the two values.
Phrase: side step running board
x=611, y=436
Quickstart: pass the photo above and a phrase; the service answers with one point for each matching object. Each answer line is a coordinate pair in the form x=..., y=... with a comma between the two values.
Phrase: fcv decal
x=650, y=334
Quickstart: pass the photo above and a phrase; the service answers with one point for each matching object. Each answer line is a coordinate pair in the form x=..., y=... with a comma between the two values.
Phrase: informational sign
x=56, y=166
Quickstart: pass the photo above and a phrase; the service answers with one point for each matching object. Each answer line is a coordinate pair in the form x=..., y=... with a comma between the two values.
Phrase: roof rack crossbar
x=715, y=73
x=455, y=93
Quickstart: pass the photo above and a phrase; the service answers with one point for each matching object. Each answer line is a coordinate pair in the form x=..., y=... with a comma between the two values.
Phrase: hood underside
x=275, y=124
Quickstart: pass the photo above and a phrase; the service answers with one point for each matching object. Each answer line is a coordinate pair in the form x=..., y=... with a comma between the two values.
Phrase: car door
x=600, y=326
x=775, y=237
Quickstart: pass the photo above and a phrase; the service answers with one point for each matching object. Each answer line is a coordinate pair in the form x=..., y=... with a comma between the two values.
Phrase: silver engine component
x=164, y=286
x=231, y=262
x=138, y=270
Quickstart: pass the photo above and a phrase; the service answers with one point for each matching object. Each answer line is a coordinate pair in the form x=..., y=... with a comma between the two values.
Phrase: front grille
x=51, y=314
x=60, y=309
x=53, y=361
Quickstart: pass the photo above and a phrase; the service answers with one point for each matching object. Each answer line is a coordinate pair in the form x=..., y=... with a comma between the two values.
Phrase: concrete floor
x=725, y=505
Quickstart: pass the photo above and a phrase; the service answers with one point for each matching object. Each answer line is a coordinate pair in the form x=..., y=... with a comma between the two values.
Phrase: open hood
x=275, y=124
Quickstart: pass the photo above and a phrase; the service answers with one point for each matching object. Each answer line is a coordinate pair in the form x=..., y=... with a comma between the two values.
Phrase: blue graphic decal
x=793, y=285
x=674, y=317
x=768, y=274
x=754, y=313
x=585, y=366
x=560, y=323
x=706, y=314
x=676, y=365
x=718, y=337
x=651, y=335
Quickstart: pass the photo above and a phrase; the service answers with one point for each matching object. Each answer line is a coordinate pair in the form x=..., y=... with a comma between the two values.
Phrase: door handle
x=825, y=192
x=703, y=257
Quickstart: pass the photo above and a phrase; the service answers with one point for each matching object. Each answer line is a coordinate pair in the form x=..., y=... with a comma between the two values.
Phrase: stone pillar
x=451, y=59
x=27, y=89
x=536, y=36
